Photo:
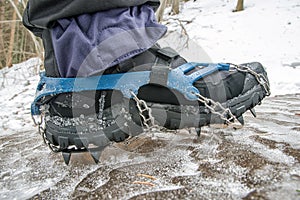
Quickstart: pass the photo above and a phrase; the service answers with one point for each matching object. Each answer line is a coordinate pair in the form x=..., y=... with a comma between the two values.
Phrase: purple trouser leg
x=90, y=43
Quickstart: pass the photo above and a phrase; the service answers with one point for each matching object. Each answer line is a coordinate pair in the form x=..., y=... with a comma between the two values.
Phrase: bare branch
x=10, y=21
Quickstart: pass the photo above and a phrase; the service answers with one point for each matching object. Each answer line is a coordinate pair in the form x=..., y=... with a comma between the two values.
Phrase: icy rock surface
x=259, y=160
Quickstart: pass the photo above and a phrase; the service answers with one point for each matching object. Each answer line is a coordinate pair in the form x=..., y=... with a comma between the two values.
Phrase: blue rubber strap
x=125, y=82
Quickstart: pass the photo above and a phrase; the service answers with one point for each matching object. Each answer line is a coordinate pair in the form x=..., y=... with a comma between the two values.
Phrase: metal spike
x=95, y=155
x=241, y=120
x=67, y=157
x=253, y=112
x=198, y=131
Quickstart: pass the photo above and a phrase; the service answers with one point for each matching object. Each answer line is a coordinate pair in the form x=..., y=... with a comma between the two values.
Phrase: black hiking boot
x=89, y=120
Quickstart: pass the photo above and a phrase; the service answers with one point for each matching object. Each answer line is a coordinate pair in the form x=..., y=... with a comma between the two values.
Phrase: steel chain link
x=145, y=113
x=261, y=79
x=42, y=132
x=224, y=113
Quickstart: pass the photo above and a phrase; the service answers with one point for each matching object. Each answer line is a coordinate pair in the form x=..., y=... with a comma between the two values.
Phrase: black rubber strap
x=159, y=75
x=167, y=53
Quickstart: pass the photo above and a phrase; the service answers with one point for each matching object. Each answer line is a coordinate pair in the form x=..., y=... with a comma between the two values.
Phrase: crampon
x=88, y=113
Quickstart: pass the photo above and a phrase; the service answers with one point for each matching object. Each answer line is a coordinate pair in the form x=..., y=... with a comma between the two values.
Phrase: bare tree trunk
x=239, y=6
x=12, y=38
x=2, y=47
x=175, y=7
x=161, y=9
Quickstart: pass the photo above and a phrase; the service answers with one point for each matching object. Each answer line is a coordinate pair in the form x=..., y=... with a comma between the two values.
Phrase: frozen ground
x=259, y=161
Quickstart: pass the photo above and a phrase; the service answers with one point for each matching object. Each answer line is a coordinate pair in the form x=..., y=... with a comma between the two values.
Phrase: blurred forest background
x=18, y=44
